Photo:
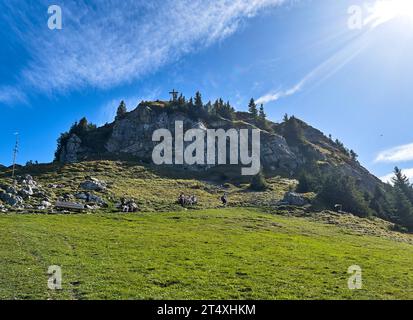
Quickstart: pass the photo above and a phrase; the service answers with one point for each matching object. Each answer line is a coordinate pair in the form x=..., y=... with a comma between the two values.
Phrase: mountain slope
x=130, y=138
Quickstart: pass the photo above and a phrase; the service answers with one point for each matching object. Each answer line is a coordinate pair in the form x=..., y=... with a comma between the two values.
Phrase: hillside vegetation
x=151, y=188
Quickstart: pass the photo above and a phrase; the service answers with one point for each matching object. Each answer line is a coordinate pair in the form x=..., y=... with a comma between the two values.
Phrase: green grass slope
x=229, y=253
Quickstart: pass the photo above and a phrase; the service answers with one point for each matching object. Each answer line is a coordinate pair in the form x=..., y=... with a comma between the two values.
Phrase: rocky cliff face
x=131, y=136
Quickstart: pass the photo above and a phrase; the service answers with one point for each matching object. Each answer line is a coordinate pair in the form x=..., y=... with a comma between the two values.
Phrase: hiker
x=182, y=200
x=224, y=199
x=194, y=200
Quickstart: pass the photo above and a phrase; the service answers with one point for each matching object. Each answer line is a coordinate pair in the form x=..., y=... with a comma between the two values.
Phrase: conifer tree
x=252, y=108
x=198, y=100
x=121, y=110
x=262, y=114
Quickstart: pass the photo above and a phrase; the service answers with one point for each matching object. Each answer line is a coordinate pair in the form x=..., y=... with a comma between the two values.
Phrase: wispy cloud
x=274, y=96
x=108, y=43
x=10, y=95
x=388, y=177
x=325, y=70
x=396, y=154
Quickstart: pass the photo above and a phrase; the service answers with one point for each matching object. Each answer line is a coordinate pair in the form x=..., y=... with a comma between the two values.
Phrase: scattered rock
x=55, y=186
x=40, y=195
x=90, y=198
x=11, y=199
x=92, y=207
x=11, y=190
x=66, y=197
x=96, y=199
x=294, y=199
x=3, y=209
x=81, y=196
x=27, y=180
x=26, y=192
x=93, y=184
x=44, y=205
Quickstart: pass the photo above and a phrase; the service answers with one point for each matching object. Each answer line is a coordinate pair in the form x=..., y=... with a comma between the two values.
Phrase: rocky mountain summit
x=112, y=169
x=282, y=152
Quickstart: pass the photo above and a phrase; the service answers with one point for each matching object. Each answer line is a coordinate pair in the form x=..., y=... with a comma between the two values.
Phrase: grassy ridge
x=204, y=254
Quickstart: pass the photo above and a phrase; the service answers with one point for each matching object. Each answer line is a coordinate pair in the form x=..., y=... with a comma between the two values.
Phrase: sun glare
x=385, y=10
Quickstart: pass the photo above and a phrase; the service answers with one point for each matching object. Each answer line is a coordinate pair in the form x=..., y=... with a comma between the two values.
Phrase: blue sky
x=298, y=57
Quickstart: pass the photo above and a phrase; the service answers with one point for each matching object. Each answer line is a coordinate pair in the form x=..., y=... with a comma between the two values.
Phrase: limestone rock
x=11, y=199
x=71, y=150
x=295, y=199
x=93, y=185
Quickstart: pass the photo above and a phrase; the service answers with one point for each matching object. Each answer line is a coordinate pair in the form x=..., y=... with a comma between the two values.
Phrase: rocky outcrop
x=71, y=150
x=131, y=136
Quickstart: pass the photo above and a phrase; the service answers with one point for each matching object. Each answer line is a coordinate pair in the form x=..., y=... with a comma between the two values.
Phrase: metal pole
x=15, y=151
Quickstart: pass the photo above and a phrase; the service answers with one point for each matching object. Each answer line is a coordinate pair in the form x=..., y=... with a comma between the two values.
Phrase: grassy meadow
x=250, y=250
x=233, y=253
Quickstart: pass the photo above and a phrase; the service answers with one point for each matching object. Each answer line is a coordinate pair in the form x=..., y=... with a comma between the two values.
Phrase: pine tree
x=252, y=108
x=121, y=110
x=181, y=100
x=402, y=183
x=198, y=100
x=353, y=155
x=339, y=189
x=258, y=182
x=293, y=132
x=285, y=119
x=382, y=204
x=404, y=209
x=262, y=114
x=191, y=102
x=400, y=180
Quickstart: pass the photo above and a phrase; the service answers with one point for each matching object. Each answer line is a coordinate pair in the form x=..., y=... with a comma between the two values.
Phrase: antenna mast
x=15, y=152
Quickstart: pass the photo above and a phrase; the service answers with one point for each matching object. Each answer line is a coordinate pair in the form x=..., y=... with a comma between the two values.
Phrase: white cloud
x=407, y=172
x=396, y=154
x=9, y=95
x=274, y=96
x=109, y=43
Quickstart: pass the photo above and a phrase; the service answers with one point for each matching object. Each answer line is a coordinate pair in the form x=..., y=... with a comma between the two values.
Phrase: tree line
x=391, y=202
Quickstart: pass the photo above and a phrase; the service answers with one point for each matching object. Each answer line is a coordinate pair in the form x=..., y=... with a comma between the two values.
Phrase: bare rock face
x=71, y=150
x=276, y=154
x=132, y=135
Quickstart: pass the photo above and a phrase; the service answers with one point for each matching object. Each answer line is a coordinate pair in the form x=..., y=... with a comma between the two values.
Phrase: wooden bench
x=71, y=206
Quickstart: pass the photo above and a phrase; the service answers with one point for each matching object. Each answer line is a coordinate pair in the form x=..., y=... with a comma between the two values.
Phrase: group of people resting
x=187, y=200
x=193, y=200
